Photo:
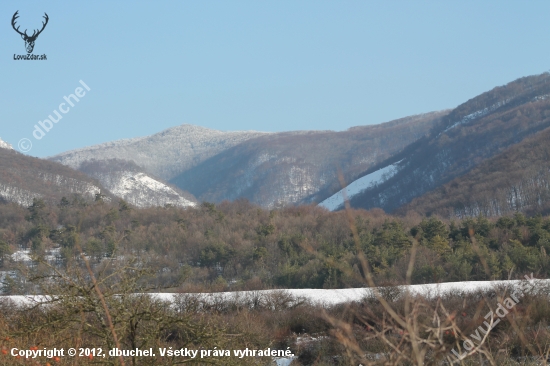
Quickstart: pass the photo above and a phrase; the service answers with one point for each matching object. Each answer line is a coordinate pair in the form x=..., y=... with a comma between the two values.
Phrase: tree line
x=237, y=245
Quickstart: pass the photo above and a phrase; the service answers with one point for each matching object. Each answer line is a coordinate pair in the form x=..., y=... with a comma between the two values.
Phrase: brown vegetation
x=480, y=129
x=300, y=167
x=111, y=255
x=518, y=179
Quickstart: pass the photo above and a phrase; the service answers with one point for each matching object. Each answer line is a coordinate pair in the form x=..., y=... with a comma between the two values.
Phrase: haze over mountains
x=299, y=167
x=517, y=179
x=165, y=154
x=480, y=129
x=270, y=169
x=23, y=178
x=487, y=156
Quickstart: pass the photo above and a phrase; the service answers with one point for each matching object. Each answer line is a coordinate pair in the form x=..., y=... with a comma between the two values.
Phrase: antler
x=34, y=35
x=43, y=23
x=13, y=19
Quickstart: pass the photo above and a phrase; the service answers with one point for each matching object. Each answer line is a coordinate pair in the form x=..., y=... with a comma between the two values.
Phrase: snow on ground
x=359, y=185
x=478, y=114
x=23, y=255
x=324, y=297
x=541, y=97
x=284, y=361
x=143, y=191
x=18, y=195
x=339, y=296
x=5, y=145
x=165, y=154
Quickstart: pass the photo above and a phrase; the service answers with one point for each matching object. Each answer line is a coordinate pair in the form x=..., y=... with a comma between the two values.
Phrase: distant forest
x=237, y=245
x=518, y=179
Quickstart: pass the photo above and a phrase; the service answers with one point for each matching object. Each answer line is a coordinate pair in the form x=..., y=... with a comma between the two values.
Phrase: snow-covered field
x=359, y=185
x=326, y=297
x=334, y=297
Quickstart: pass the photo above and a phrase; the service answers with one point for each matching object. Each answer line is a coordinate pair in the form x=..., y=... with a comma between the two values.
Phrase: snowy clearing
x=332, y=297
x=359, y=185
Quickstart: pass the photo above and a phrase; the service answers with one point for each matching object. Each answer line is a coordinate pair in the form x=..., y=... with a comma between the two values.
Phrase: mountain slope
x=5, y=145
x=165, y=154
x=128, y=181
x=300, y=167
x=473, y=132
x=23, y=178
x=359, y=185
x=517, y=179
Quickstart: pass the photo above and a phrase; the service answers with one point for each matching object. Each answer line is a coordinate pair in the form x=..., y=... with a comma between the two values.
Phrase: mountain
x=5, y=145
x=300, y=167
x=518, y=179
x=165, y=154
x=475, y=131
x=387, y=165
x=23, y=178
x=270, y=169
x=357, y=186
x=131, y=183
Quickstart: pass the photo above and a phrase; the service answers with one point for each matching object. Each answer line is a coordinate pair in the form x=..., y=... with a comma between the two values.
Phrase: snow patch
x=541, y=97
x=18, y=195
x=23, y=255
x=165, y=154
x=283, y=361
x=359, y=185
x=478, y=114
x=71, y=185
x=5, y=145
x=141, y=190
x=339, y=296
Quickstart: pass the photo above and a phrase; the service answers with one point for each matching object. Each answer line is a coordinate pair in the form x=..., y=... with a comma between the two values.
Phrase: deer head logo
x=29, y=40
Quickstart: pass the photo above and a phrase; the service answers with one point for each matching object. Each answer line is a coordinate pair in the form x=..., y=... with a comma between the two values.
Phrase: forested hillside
x=131, y=183
x=241, y=246
x=164, y=154
x=23, y=178
x=477, y=130
x=269, y=169
x=518, y=179
x=300, y=167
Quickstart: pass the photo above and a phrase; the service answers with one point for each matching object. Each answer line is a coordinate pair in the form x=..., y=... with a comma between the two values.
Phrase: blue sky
x=256, y=65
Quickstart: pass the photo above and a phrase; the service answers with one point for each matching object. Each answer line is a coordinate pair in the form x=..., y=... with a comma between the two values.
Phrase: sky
x=254, y=65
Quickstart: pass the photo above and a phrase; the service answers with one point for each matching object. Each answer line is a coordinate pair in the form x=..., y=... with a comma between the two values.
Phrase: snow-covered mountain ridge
x=270, y=169
x=164, y=154
x=5, y=145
